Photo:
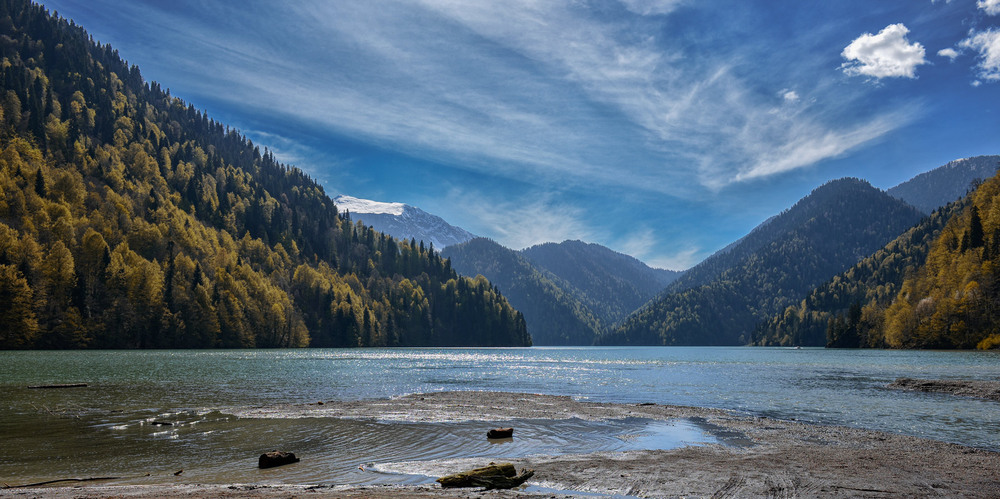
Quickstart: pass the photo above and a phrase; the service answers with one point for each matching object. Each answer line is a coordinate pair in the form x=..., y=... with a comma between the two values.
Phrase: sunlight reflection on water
x=194, y=390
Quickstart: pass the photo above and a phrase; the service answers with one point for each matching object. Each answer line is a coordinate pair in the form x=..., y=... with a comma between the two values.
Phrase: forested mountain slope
x=774, y=266
x=953, y=299
x=950, y=300
x=869, y=285
x=611, y=284
x=129, y=219
x=945, y=184
x=554, y=316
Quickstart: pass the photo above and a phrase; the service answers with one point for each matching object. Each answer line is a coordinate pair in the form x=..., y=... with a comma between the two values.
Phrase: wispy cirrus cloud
x=703, y=111
x=651, y=7
x=645, y=244
x=541, y=90
x=522, y=221
x=807, y=147
x=668, y=107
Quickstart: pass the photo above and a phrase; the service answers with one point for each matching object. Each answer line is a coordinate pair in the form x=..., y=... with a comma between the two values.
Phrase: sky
x=663, y=129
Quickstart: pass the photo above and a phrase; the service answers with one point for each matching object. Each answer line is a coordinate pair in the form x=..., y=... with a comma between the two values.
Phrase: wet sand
x=989, y=390
x=756, y=457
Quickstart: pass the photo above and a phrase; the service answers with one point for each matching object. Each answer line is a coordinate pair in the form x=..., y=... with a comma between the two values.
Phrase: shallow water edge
x=786, y=457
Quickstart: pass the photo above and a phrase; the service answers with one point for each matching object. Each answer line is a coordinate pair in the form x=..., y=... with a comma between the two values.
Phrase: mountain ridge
x=950, y=182
x=719, y=301
x=610, y=283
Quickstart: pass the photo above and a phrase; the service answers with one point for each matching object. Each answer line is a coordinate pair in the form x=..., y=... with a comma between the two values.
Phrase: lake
x=110, y=428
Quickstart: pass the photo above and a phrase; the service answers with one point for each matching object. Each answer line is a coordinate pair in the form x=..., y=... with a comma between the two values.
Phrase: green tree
x=18, y=326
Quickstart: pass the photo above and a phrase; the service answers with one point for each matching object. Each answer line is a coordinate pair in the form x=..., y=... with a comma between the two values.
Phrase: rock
x=500, y=433
x=494, y=476
x=276, y=458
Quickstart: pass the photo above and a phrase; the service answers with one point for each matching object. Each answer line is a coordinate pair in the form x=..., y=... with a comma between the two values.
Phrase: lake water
x=107, y=429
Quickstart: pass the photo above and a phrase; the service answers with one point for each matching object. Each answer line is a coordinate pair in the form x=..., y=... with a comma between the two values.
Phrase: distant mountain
x=719, y=301
x=403, y=222
x=553, y=315
x=940, y=186
x=611, y=284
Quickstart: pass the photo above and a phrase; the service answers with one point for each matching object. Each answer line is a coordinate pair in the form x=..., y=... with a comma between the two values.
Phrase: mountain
x=720, y=301
x=129, y=219
x=871, y=284
x=611, y=284
x=940, y=186
x=403, y=222
x=936, y=286
x=553, y=316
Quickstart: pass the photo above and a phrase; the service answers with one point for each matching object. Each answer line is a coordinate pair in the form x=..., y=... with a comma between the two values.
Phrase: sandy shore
x=756, y=457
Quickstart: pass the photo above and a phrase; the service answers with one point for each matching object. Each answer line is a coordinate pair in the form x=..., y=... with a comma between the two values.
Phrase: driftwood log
x=276, y=458
x=62, y=385
x=494, y=476
x=500, y=433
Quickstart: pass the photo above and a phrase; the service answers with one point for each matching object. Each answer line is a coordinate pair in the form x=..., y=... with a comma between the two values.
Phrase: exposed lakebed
x=225, y=408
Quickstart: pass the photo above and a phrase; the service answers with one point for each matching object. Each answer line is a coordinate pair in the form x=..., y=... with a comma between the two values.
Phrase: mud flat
x=965, y=388
x=755, y=457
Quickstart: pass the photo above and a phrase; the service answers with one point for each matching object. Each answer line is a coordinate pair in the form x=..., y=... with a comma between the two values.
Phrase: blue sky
x=664, y=129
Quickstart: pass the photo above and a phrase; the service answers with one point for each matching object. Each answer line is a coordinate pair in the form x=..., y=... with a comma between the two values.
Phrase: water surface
x=107, y=429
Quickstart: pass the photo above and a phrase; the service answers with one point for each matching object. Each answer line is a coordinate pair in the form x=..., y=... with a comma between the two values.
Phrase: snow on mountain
x=358, y=205
x=403, y=221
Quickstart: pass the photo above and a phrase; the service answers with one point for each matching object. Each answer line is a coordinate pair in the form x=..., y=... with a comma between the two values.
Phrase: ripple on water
x=459, y=442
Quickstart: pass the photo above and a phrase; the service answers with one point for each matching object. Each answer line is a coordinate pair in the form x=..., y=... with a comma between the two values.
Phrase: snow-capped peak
x=358, y=205
x=404, y=222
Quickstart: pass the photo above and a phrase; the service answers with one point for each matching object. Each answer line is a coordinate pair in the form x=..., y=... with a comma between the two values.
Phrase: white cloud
x=987, y=44
x=991, y=7
x=789, y=95
x=949, y=53
x=887, y=54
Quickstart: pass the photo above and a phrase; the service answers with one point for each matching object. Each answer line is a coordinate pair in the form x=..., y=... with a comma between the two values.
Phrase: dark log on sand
x=500, y=433
x=276, y=458
x=494, y=476
x=64, y=385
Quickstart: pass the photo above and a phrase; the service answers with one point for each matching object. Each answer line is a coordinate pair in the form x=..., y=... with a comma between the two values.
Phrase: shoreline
x=756, y=457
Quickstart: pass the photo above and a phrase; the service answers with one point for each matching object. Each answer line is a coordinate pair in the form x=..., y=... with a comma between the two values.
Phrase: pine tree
x=976, y=237
x=40, y=183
